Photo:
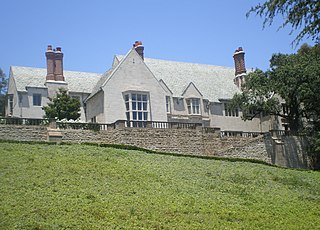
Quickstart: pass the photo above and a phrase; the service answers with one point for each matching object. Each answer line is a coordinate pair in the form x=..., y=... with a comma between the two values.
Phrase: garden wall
x=289, y=153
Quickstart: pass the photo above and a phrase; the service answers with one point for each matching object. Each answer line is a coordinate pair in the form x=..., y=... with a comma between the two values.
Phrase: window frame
x=10, y=100
x=36, y=99
x=193, y=106
x=230, y=112
x=168, y=104
x=137, y=107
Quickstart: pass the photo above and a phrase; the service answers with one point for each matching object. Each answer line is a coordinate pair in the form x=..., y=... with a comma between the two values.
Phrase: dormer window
x=193, y=105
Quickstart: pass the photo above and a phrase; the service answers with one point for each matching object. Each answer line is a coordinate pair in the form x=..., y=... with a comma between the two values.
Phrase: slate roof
x=35, y=77
x=214, y=82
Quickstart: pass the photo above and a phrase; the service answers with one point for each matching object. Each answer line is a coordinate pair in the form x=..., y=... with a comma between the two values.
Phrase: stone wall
x=23, y=133
x=283, y=151
x=289, y=151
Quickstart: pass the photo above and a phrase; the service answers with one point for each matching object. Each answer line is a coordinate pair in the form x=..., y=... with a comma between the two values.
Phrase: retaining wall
x=289, y=153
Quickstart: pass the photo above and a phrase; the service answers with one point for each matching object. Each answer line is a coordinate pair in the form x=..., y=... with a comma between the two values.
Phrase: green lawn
x=88, y=187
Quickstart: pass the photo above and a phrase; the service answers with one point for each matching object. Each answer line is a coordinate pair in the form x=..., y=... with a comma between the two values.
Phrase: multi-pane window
x=193, y=105
x=36, y=99
x=168, y=104
x=11, y=104
x=230, y=112
x=137, y=108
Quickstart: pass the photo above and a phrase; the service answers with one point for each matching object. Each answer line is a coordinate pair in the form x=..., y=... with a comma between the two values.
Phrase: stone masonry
x=181, y=141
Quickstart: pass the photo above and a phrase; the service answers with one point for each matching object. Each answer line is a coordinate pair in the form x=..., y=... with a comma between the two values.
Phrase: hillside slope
x=87, y=187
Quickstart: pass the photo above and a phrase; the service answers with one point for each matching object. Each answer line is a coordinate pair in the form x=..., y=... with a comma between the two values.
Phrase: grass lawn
x=88, y=187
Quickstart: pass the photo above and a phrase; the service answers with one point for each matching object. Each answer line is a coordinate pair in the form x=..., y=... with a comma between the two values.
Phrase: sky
x=91, y=32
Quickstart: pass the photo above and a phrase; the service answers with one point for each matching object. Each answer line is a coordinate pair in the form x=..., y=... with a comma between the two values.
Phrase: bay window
x=137, y=108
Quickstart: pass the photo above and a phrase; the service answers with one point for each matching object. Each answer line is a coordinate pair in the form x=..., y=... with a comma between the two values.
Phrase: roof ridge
x=182, y=62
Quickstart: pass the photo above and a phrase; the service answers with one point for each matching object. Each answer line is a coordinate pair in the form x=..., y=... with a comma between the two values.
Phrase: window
x=10, y=104
x=230, y=112
x=94, y=119
x=168, y=104
x=193, y=105
x=136, y=109
x=36, y=99
x=285, y=109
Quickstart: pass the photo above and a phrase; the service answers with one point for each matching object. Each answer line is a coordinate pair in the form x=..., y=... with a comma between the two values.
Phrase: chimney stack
x=54, y=64
x=50, y=63
x=238, y=57
x=240, y=68
x=58, y=70
x=139, y=48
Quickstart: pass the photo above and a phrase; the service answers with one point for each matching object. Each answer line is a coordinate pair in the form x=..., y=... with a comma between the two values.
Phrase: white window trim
x=231, y=113
x=142, y=110
x=192, y=105
x=168, y=104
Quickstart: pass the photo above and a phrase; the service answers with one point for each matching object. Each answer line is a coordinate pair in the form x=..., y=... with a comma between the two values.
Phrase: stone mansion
x=138, y=89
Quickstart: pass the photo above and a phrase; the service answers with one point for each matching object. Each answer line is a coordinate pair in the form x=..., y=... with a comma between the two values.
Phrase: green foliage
x=303, y=15
x=89, y=187
x=3, y=91
x=293, y=78
x=62, y=106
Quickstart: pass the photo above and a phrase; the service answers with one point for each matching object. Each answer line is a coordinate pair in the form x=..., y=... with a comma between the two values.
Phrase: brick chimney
x=240, y=68
x=50, y=63
x=58, y=70
x=239, y=64
x=139, y=48
x=54, y=64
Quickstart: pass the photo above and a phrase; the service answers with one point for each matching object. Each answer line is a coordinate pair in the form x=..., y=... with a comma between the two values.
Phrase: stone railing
x=134, y=124
x=23, y=121
x=241, y=134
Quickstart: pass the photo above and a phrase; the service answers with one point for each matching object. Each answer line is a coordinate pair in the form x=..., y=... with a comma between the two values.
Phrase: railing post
x=149, y=124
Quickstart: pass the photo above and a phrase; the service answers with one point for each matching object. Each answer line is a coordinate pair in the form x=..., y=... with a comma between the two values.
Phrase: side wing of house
x=133, y=93
x=95, y=108
x=12, y=109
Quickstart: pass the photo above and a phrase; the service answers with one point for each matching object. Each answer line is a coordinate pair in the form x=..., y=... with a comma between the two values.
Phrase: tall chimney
x=50, y=63
x=139, y=48
x=238, y=57
x=58, y=70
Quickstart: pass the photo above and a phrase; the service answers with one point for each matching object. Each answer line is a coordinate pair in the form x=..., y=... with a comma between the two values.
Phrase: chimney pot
x=58, y=49
x=139, y=48
x=49, y=48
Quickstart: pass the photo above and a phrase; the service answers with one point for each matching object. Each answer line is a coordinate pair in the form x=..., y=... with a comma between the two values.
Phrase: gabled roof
x=35, y=77
x=214, y=82
x=190, y=85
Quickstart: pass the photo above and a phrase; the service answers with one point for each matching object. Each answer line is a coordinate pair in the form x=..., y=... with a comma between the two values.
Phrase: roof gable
x=191, y=91
x=136, y=59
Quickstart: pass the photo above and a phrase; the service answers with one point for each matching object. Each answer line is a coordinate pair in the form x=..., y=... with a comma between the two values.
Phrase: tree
x=3, y=91
x=293, y=79
x=304, y=14
x=62, y=106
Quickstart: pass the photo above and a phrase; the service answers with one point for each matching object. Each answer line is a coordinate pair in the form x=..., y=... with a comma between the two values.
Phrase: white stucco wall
x=95, y=108
x=132, y=75
x=27, y=109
